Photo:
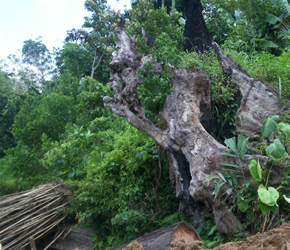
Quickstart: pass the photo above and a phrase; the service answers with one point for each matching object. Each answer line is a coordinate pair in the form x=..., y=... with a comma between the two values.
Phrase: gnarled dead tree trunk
x=194, y=155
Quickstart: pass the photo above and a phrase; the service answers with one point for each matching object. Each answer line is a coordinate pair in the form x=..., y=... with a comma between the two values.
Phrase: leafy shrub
x=47, y=114
x=125, y=191
x=256, y=198
x=153, y=91
x=264, y=65
x=155, y=22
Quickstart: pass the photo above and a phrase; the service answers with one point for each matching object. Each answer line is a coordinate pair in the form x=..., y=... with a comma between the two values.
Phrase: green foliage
x=130, y=221
x=36, y=54
x=22, y=162
x=67, y=158
x=239, y=146
x=255, y=170
x=75, y=59
x=120, y=178
x=269, y=125
x=96, y=40
x=210, y=235
x=119, y=175
x=285, y=128
x=242, y=204
x=265, y=197
x=90, y=101
x=263, y=65
x=167, y=50
x=223, y=92
x=153, y=91
x=155, y=22
x=268, y=196
x=124, y=190
x=251, y=21
x=10, y=102
x=47, y=114
x=276, y=150
x=219, y=21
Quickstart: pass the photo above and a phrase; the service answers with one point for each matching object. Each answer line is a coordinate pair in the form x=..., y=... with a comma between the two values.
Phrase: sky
x=21, y=20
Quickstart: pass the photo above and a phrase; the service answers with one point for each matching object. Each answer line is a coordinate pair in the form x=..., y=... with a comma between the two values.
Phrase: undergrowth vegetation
x=263, y=199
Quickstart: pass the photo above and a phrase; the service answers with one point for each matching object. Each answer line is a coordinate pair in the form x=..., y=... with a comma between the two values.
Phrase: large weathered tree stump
x=194, y=155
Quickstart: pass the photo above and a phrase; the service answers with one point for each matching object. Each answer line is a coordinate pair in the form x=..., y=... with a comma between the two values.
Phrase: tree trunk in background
x=196, y=32
x=194, y=155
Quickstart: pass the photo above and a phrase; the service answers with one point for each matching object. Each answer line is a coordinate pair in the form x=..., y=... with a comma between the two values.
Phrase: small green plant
x=210, y=234
x=232, y=172
x=264, y=196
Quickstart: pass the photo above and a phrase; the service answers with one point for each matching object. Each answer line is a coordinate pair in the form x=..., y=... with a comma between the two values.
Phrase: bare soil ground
x=275, y=239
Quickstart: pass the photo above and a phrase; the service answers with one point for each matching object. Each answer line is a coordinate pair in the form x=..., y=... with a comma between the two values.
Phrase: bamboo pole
x=31, y=215
x=32, y=244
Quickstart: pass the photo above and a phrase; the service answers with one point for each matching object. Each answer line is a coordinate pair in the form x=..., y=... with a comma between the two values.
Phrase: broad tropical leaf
x=268, y=196
x=287, y=6
x=285, y=127
x=242, y=145
x=276, y=150
x=268, y=44
x=242, y=204
x=232, y=144
x=286, y=199
x=255, y=170
x=266, y=209
x=269, y=125
x=272, y=19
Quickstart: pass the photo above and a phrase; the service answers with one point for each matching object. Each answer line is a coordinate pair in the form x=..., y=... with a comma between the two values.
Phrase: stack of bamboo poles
x=31, y=215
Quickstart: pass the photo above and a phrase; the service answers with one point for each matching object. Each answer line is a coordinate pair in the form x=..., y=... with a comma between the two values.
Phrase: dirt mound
x=181, y=245
x=275, y=239
x=134, y=246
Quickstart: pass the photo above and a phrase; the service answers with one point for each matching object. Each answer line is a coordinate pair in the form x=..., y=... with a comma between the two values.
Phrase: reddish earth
x=275, y=239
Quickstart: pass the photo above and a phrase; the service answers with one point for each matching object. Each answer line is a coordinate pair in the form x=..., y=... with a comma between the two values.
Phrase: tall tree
x=10, y=102
x=196, y=32
x=75, y=59
x=97, y=35
x=36, y=54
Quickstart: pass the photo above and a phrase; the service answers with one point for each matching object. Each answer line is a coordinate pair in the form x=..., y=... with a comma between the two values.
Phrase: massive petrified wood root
x=194, y=155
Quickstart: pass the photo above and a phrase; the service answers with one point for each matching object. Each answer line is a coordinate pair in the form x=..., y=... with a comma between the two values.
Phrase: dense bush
x=272, y=69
